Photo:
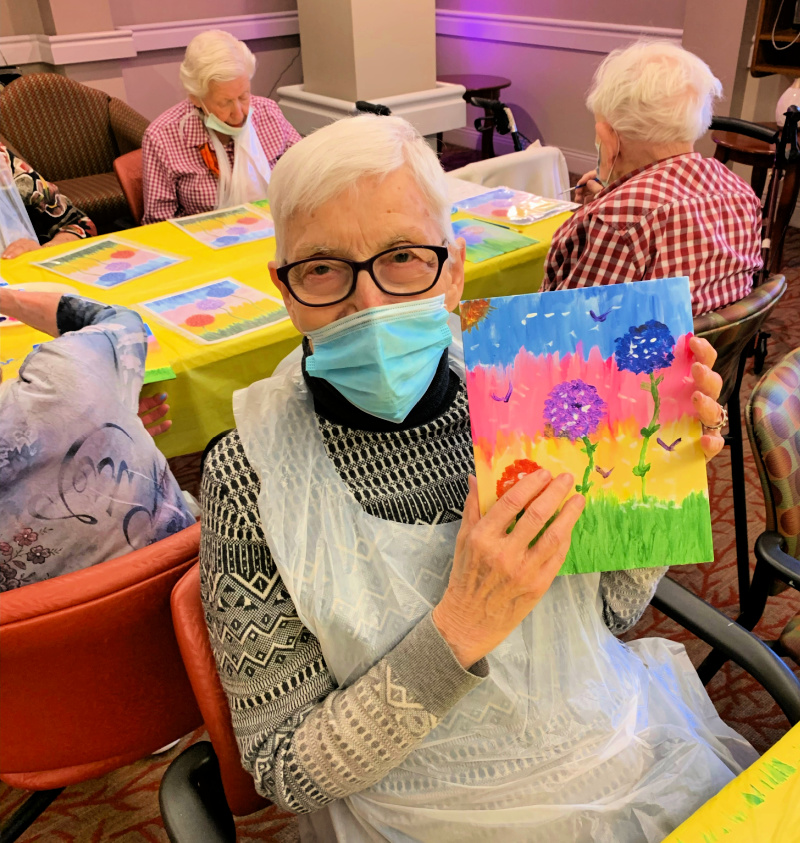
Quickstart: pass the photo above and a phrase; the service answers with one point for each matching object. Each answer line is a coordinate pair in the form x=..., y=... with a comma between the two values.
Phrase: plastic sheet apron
x=574, y=736
x=15, y=223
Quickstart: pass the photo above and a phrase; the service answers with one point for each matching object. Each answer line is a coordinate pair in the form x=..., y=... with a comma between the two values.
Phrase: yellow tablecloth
x=761, y=805
x=207, y=375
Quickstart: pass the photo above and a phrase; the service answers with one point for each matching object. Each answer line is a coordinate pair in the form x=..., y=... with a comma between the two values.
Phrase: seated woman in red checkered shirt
x=655, y=208
x=216, y=148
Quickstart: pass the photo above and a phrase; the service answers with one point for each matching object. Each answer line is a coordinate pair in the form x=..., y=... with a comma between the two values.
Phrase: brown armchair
x=71, y=134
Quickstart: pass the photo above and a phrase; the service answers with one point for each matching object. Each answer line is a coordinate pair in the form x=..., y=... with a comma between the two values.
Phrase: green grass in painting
x=612, y=535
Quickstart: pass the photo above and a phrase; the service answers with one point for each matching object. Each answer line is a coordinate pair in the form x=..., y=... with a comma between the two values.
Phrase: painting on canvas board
x=595, y=381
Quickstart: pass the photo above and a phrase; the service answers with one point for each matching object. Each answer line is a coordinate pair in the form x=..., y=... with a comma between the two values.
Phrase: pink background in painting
x=533, y=377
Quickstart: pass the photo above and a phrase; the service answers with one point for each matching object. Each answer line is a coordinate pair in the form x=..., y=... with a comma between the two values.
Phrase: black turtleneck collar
x=333, y=406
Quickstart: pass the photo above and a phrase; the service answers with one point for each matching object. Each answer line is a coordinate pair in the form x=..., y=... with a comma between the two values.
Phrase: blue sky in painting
x=545, y=323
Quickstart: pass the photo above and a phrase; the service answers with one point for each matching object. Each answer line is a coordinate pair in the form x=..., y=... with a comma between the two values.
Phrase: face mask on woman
x=213, y=122
x=382, y=360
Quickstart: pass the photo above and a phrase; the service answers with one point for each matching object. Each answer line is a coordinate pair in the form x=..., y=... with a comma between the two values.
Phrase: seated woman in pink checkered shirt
x=216, y=148
x=655, y=208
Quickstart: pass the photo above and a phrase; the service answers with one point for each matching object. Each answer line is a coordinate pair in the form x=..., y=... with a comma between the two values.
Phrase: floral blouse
x=81, y=480
x=50, y=212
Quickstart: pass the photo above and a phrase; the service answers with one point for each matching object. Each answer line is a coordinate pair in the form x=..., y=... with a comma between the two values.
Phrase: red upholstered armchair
x=206, y=786
x=91, y=677
x=71, y=134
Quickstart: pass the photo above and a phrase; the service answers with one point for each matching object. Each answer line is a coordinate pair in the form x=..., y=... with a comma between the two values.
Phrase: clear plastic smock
x=573, y=736
x=15, y=224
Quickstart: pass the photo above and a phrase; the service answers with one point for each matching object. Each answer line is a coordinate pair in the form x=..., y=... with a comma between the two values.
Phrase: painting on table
x=217, y=311
x=228, y=227
x=108, y=262
x=516, y=207
x=597, y=382
x=485, y=240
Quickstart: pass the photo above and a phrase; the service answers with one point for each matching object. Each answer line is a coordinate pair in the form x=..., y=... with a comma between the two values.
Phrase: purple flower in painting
x=645, y=349
x=574, y=409
x=210, y=304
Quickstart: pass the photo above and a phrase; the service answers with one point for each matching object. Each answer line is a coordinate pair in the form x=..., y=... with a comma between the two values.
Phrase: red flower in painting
x=120, y=254
x=25, y=536
x=198, y=320
x=514, y=473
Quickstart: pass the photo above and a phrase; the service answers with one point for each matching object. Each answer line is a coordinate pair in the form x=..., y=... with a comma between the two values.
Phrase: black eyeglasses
x=401, y=271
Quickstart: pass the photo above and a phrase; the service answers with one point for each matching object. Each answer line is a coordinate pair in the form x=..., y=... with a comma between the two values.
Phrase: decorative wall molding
x=172, y=34
x=584, y=36
x=68, y=49
x=129, y=41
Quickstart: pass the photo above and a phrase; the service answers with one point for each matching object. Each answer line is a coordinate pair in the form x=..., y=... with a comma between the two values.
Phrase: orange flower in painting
x=514, y=473
x=474, y=312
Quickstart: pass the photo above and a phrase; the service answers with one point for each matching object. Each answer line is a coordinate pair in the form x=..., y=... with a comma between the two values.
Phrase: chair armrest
x=127, y=125
x=744, y=127
x=768, y=547
x=192, y=800
x=725, y=635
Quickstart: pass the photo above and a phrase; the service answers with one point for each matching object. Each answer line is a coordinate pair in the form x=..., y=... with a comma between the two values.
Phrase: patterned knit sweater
x=304, y=741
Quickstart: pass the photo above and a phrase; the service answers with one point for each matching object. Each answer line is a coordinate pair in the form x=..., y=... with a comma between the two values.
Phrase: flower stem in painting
x=589, y=450
x=646, y=349
x=641, y=469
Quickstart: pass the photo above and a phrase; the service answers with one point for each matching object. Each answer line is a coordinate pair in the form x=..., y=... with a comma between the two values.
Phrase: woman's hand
x=497, y=579
x=19, y=247
x=704, y=398
x=151, y=410
x=62, y=237
x=588, y=187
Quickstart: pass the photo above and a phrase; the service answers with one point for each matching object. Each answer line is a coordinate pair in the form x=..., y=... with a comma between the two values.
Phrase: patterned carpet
x=123, y=806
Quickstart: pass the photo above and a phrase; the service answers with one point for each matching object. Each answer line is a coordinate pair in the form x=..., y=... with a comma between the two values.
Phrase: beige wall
x=666, y=13
x=20, y=17
x=148, y=81
x=151, y=79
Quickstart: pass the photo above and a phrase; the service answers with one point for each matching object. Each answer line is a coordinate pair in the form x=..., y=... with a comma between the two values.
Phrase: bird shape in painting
x=602, y=472
x=668, y=447
x=505, y=398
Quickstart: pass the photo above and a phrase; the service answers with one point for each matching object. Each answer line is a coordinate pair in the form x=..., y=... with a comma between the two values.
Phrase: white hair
x=655, y=92
x=214, y=56
x=333, y=159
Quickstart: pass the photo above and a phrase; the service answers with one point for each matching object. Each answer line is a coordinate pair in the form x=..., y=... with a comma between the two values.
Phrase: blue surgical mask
x=213, y=122
x=382, y=360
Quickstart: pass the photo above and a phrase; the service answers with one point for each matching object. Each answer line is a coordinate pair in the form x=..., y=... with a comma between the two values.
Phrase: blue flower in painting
x=645, y=349
x=574, y=409
x=219, y=290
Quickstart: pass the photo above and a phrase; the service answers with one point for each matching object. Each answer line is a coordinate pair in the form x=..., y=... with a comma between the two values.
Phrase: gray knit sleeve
x=626, y=594
x=304, y=741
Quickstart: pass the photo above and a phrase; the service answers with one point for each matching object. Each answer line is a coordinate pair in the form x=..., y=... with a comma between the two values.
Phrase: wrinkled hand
x=497, y=579
x=704, y=398
x=588, y=187
x=151, y=410
x=19, y=247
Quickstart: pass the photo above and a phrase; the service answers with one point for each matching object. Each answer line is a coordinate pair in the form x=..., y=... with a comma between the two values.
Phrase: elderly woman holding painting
x=397, y=666
x=216, y=148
